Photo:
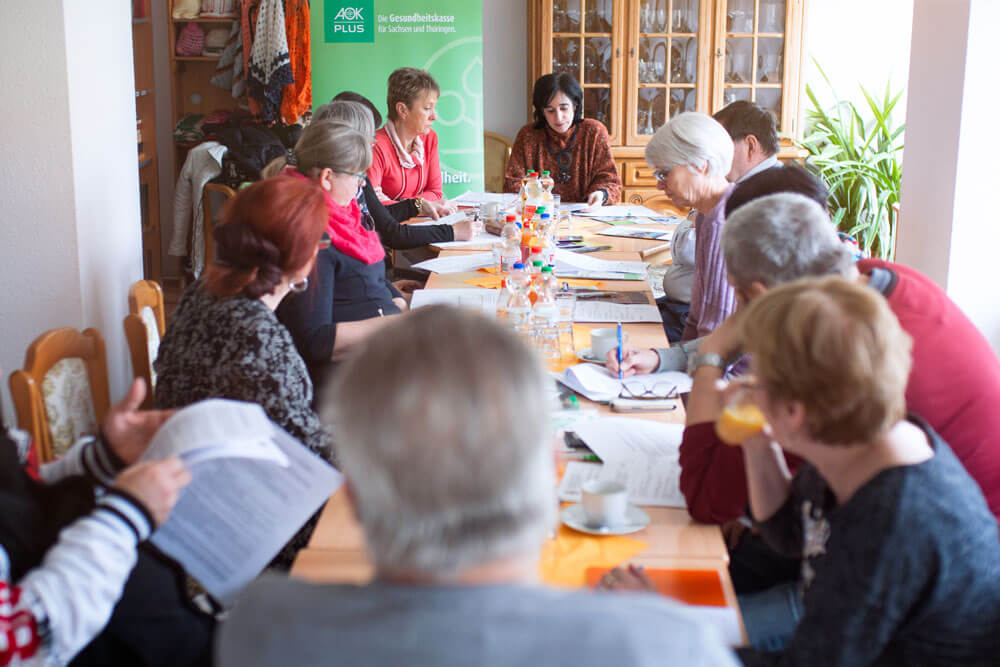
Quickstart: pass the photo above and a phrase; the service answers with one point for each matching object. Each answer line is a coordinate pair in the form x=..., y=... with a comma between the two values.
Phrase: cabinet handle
x=631, y=52
x=618, y=52
x=718, y=53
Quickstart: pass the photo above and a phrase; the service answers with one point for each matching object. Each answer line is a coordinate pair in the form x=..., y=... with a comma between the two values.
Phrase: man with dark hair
x=755, y=138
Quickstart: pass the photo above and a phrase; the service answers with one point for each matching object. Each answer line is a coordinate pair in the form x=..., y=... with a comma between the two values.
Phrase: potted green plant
x=861, y=162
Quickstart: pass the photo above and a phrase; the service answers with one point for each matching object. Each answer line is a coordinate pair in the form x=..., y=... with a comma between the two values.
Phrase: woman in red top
x=405, y=162
x=574, y=149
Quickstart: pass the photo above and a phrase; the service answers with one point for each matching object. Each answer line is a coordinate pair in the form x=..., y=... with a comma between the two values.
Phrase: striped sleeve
x=90, y=456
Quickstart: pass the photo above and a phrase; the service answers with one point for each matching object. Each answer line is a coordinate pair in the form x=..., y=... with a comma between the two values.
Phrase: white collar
x=767, y=163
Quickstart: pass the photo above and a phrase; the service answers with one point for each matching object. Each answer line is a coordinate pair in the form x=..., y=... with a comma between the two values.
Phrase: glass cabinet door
x=586, y=44
x=666, y=76
x=750, y=64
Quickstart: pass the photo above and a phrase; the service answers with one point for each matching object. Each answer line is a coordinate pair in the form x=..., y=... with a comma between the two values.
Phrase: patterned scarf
x=406, y=159
x=270, y=67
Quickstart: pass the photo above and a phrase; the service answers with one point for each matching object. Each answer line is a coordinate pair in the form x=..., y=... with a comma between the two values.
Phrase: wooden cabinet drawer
x=637, y=173
x=653, y=199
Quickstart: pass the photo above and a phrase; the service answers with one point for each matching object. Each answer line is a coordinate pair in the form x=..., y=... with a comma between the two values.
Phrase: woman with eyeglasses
x=692, y=155
x=576, y=151
x=224, y=340
x=348, y=295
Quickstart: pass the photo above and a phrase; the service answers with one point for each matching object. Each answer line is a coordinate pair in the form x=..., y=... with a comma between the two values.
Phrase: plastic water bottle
x=547, y=183
x=519, y=306
x=546, y=237
x=510, y=238
x=503, y=301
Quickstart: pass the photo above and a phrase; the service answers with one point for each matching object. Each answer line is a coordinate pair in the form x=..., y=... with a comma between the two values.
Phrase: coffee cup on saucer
x=603, y=340
x=604, y=502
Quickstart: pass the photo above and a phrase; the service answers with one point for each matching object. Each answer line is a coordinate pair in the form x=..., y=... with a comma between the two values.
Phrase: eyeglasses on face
x=661, y=174
x=360, y=177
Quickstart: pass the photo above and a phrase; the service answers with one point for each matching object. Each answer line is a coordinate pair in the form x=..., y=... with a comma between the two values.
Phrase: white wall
x=69, y=238
x=505, y=65
x=856, y=42
x=950, y=228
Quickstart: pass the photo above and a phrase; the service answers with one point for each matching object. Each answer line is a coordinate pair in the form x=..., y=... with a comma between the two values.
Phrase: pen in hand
x=619, y=350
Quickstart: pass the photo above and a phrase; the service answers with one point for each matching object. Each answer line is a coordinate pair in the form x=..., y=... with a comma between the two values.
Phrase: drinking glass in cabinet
x=566, y=16
x=647, y=16
x=772, y=16
x=598, y=17
x=597, y=60
x=661, y=16
x=597, y=105
x=770, y=99
x=769, y=59
x=684, y=60
x=738, y=52
x=652, y=110
x=739, y=16
x=565, y=56
x=652, y=59
x=685, y=16
x=735, y=94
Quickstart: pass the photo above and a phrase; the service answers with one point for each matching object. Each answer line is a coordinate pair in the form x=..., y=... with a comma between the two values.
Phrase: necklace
x=563, y=158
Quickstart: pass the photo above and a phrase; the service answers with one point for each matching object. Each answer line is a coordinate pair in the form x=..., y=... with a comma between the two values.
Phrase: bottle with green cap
x=545, y=315
x=547, y=183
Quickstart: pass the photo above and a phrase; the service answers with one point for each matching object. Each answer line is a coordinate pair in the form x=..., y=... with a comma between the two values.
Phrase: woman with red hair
x=224, y=340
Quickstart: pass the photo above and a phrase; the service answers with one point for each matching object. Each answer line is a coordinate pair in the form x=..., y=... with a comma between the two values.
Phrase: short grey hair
x=352, y=114
x=780, y=238
x=441, y=423
x=693, y=139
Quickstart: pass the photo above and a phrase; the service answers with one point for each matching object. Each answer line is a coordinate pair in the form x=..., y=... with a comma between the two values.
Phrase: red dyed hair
x=269, y=229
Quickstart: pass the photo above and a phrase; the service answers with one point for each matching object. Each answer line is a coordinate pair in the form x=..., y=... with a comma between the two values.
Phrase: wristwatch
x=418, y=202
x=705, y=359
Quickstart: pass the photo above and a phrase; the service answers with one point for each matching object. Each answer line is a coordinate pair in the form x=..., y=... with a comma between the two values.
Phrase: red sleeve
x=516, y=163
x=432, y=191
x=378, y=169
x=713, y=480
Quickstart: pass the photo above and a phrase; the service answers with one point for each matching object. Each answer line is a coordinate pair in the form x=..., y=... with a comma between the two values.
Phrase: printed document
x=484, y=239
x=451, y=219
x=457, y=263
x=253, y=486
x=620, y=211
x=589, y=310
x=476, y=298
x=641, y=454
x=598, y=384
x=570, y=261
x=471, y=198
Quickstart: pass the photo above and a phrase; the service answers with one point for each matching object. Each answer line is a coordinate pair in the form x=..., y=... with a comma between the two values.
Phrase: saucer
x=587, y=354
x=635, y=520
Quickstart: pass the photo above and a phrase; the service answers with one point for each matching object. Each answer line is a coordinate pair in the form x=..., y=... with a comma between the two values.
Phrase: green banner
x=356, y=44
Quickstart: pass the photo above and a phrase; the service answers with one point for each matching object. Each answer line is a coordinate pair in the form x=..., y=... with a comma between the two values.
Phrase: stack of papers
x=470, y=198
x=627, y=313
x=633, y=233
x=639, y=453
x=458, y=216
x=622, y=211
x=483, y=239
x=477, y=298
x=598, y=384
x=457, y=263
x=575, y=265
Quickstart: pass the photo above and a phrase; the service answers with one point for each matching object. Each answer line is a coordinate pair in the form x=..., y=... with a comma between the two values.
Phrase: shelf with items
x=145, y=112
x=657, y=58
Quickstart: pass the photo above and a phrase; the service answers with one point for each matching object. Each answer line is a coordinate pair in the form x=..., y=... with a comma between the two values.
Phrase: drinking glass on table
x=566, y=306
x=556, y=200
x=564, y=224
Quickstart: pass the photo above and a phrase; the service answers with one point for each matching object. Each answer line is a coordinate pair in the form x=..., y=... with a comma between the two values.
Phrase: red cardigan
x=393, y=183
x=954, y=385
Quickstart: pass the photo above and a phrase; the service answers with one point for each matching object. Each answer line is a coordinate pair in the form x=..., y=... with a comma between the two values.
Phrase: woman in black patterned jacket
x=224, y=340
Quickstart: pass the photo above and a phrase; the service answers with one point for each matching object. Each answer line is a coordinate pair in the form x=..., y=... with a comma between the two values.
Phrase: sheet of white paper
x=598, y=383
x=476, y=298
x=652, y=482
x=484, y=239
x=624, y=439
x=457, y=263
x=591, y=310
x=572, y=207
x=620, y=211
x=451, y=219
x=470, y=198
x=235, y=515
x=217, y=428
x=566, y=260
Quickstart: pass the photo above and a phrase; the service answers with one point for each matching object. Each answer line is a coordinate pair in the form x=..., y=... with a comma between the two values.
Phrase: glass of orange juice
x=740, y=419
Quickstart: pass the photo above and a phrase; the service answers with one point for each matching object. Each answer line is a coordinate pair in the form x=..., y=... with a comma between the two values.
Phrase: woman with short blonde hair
x=405, y=163
x=900, y=553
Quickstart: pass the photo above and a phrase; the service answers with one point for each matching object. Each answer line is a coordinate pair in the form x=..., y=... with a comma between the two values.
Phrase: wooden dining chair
x=61, y=394
x=206, y=209
x=144, y=327
x=496, y=151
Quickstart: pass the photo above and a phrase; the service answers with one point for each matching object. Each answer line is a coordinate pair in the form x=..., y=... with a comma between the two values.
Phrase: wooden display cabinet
x=145, y=112
x=641, y=62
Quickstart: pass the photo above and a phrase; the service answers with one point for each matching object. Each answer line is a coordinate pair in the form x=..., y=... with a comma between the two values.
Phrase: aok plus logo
x=349, y=21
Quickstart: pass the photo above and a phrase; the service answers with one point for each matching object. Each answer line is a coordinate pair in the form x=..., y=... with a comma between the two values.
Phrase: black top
x=395, y=235
x=906, y=572
x=341, y=289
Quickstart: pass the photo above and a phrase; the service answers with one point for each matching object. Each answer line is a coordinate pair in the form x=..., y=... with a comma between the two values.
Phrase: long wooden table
x=336, y=552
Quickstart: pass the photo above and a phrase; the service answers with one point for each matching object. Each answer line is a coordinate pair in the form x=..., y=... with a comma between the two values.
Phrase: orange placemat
x=566, y=559
x=698, y=587
x=492, y=281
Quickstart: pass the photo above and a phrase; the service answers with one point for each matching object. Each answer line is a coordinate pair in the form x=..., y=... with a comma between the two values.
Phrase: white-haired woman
x=692, y=155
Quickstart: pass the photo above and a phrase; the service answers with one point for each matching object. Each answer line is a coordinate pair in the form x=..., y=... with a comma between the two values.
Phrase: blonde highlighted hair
x=834, y=346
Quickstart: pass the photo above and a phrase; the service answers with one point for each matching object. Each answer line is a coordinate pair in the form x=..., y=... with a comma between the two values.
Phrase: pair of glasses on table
x=658, y=392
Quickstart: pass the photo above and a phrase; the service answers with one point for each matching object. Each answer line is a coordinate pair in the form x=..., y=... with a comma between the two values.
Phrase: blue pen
x=619, y=350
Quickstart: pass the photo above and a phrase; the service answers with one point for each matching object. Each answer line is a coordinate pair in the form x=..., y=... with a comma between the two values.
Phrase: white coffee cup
x=602, y=340
x=491, y=210
x=604, y=502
